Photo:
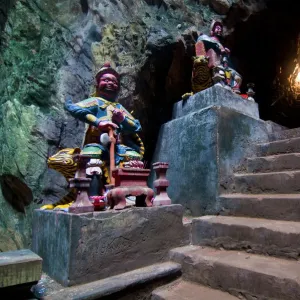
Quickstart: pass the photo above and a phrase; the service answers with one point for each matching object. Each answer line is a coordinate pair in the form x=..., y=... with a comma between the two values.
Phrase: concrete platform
x=184, y=290
x=205, y=149
x=270, y=206
x=87, y=247
x=261, y=236
x=248, y=275
x=19, y=267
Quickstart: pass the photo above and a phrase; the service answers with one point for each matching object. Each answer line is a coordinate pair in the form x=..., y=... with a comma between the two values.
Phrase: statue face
x=108, y=83
x=218, y=30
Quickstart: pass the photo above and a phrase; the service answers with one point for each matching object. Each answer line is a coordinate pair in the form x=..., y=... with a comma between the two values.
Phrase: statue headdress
x=214, y=23
x=107, y=69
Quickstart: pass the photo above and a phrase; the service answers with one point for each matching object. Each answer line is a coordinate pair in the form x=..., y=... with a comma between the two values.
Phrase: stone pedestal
x=161, y=184
x=206, y=142
x=79, y=248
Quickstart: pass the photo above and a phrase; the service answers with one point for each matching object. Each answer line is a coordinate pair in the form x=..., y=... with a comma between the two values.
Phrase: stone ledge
x=87, y=247
x=19, y=267
x=215, y=96
x=119, y=283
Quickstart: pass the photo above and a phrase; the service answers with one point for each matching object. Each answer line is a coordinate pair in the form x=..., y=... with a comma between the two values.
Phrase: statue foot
x=47, y=207
x=120, y=205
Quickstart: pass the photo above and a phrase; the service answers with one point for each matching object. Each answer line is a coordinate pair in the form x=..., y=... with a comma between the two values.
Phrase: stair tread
x=274, y=157
x=183, y=290
x=261, y=196
x=267, y=173
x=280, y=141
x=259, y=264
x=274, y=225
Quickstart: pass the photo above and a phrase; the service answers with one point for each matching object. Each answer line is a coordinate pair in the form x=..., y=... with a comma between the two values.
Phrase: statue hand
x=118, y=115
x=227, y=50
x=104, y=125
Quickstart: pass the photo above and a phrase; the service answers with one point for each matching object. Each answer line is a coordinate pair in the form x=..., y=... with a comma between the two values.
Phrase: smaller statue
x=211, y=65
x=233, y=79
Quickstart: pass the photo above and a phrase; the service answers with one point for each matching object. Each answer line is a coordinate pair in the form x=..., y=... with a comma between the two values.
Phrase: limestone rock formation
x=220, y=6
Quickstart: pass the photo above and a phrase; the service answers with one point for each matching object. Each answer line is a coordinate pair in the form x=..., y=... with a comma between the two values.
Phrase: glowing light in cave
x=294, y=78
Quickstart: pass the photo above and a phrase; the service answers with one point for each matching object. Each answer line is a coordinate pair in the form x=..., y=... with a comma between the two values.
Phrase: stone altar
x=79, y=248
x=212, y=133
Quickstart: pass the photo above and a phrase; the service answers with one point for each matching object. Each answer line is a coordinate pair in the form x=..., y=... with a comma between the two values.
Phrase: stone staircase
x=251, y=250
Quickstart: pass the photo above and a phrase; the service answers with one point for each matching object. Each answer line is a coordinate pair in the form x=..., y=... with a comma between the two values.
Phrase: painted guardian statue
x=103, y=114
x=211, y=63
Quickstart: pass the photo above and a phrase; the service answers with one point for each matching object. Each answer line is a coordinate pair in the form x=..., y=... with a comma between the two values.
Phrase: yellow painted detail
x=58, y=207
x=91, y=118
x=47, y=206
x=130, y=122
x=88, y=103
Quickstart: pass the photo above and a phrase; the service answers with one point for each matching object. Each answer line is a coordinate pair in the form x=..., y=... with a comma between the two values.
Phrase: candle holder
x=82, y=203
x=161, y=184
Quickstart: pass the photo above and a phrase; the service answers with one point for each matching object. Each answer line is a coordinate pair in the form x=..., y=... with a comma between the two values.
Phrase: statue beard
x=108, y=94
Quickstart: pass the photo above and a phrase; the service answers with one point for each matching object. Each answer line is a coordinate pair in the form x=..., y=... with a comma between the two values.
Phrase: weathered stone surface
x=273, y=163
x=274, y=128
x=19, y=267
x=120, y=284
x=285, y=134
x=220, y=6
x=217, y=96
x=261, y=236
x=86, y=247
x=181, y=290
x=203, y=149
x=241, y=274
x=275, y=182
x=270, y=206
x=280, y=146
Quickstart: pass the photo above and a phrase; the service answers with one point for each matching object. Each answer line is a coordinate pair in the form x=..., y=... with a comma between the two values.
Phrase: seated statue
x=212, y=61
x=104, y=116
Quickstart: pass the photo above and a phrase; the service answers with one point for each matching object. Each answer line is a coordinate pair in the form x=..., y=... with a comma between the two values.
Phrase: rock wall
x=52, y=48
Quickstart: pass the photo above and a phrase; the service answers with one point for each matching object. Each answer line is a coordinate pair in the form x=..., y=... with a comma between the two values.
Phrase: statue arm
x=85, y=111
x=129, y=124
